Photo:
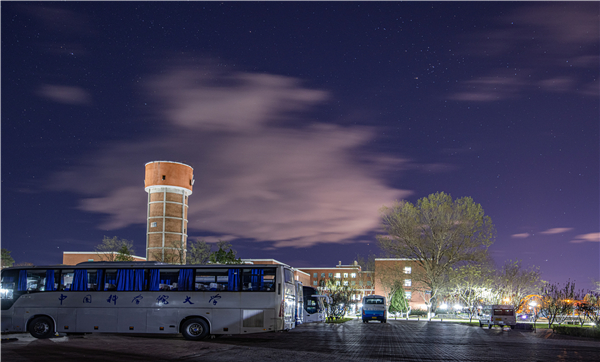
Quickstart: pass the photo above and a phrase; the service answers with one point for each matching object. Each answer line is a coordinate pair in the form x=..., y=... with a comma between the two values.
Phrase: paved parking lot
x=351, y=341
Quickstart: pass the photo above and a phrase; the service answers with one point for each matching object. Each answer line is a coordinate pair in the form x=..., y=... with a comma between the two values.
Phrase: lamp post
x=533, y=304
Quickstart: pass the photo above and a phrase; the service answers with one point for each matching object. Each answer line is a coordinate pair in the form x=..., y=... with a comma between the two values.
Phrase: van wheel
x=195, y=329
x=41, y=327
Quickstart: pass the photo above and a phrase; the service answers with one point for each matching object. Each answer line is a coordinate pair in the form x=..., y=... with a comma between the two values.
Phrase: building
x=76, y=257
x=389, y=270
x=168, y=184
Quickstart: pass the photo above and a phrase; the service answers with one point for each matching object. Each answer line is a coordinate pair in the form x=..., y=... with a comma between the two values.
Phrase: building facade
x=76, y=257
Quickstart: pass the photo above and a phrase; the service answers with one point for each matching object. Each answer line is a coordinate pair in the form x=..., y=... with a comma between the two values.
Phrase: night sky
x=301, y=120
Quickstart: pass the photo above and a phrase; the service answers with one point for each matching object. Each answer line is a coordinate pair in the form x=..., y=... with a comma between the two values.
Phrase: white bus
x=147, y=297
x=314, y=308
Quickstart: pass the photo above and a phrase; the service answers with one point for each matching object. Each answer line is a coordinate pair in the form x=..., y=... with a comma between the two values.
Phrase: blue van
x=374, y=308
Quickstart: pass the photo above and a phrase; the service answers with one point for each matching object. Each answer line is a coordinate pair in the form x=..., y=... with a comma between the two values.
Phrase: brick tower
x=168, y=184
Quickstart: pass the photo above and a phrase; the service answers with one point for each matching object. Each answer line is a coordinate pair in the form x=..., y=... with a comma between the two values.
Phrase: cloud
x=592, y=237
x=257, y=176
x=556, y=231
x=543, y=47
x=520, y=236
x=65, y=94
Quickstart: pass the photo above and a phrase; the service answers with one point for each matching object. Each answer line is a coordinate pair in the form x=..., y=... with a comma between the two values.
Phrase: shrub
x=577, y=331
x=418, y=312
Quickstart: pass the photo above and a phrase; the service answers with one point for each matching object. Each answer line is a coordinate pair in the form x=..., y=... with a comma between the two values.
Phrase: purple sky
x=301, y=120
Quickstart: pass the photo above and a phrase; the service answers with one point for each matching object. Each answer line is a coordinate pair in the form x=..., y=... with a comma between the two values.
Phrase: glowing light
x=457, y=306
x=444, y=306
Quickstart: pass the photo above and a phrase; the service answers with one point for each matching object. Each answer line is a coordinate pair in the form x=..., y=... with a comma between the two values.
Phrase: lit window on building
x=337, y=275
x=353, y=282
x=407, y=270
x=353, y=275
x=345, y=282
x=330, y=275
x=337, y=282
x=153, y=224
x=315, y=275
x=407, y=282
x=345, y=275
x=368, y=282
x=315, y=282
x=408, y=295
x=322, y=275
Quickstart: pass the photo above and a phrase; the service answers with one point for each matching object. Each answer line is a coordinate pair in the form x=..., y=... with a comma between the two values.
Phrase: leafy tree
x=557, y=302
x=198, y=252
x=514, y=283
x=340, y=295
x=115, y=249
x=7, y=260
x=398, y=303
x=438, y=233
x=225, y=255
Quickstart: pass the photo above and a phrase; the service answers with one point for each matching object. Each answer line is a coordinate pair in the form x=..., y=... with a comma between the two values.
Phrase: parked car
x=499, y=315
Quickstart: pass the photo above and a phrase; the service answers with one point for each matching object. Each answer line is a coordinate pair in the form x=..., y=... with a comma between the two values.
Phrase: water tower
x=168, y=184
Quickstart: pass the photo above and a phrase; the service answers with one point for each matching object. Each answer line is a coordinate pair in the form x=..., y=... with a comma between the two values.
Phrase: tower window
x=153, y=224
x=164, y=177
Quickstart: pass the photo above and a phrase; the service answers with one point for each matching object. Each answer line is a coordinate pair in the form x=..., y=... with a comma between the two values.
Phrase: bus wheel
x=41, y=327
x=195, y=329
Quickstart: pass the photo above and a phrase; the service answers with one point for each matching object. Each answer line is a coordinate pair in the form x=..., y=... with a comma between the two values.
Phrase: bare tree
x=438, y=233
x=514, y=282
x=469, y=284
x=115, y=249
x=556, y=301
x=198, y=252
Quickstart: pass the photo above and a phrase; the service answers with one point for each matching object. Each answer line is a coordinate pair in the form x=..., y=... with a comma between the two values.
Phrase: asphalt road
x=350, y=341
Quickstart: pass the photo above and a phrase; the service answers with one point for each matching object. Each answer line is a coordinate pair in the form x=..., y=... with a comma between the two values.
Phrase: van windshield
x=374, y=301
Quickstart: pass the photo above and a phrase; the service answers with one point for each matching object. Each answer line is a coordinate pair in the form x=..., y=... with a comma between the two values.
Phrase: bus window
x=212, y=279
x=168, y=279
x=289, y=276
x=66, y=279
x=110, y=279
x=36, y=280
x=258, y=279
x=9, y=283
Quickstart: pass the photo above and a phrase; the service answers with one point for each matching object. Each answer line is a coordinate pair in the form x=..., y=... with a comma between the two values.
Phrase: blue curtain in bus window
x=125, y=279
x=80, y=280
x=257, y=279
x=154, y=279
x=100, y=279
x=138, y=279
x=22, y=280
x=233, y=280
x=49, y=280
x=185, y=280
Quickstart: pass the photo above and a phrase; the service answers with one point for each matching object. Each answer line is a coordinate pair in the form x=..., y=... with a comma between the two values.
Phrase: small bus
x=147, y=297
x=500, y=315
x=374, y=307
x=314, y=307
